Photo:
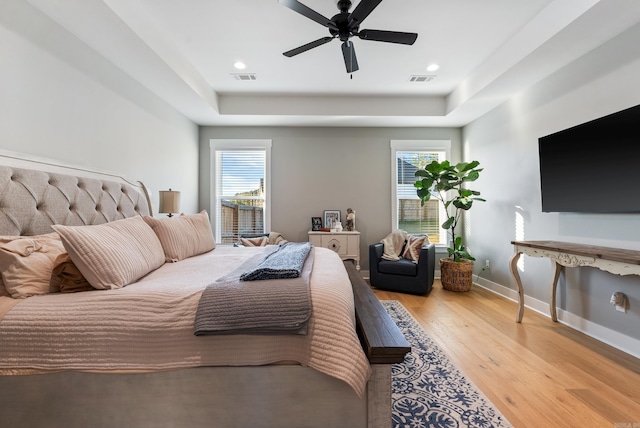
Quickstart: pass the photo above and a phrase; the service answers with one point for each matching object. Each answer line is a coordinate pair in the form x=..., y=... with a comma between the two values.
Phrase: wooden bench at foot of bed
x=381, y=339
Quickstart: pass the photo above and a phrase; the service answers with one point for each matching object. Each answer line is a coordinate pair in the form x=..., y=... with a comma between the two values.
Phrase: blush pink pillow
x=183, y=236
x=114, y=254
x=27, y=264
x=260, y=241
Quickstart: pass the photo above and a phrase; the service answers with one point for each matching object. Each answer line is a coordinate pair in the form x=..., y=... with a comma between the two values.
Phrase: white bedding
x=148, y=325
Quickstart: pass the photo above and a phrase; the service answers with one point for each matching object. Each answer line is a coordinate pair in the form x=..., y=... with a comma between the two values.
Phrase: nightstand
x=346, y=244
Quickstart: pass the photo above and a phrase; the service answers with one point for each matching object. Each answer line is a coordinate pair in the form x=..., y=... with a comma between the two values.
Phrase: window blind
x=412, y=216
x=240, y=193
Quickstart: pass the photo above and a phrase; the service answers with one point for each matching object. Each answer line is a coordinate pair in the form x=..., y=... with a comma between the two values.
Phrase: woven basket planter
x=456, y=276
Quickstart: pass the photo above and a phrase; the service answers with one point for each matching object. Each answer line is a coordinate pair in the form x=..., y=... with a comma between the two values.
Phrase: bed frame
x=265, y=396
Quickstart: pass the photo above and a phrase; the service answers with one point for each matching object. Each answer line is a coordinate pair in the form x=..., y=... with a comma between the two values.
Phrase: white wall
x=505, y=141
x=61, y=100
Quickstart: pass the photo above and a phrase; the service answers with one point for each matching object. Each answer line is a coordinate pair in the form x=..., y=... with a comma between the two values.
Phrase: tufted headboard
x=31, y=200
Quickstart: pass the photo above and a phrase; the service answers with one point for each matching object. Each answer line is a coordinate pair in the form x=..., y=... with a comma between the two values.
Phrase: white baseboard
x=613, y=338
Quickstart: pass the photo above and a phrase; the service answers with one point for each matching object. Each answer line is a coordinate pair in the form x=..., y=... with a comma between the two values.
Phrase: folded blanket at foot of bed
x=285, y=262
x=270, y=306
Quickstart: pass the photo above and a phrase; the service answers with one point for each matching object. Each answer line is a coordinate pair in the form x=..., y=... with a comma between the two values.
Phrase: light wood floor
x=538, y=373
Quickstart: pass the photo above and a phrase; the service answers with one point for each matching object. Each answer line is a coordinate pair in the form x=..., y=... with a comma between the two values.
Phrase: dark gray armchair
x=402, y=275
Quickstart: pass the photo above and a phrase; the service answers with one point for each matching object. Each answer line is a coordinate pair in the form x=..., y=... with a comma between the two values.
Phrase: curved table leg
x=513, y=264
x=554, y=286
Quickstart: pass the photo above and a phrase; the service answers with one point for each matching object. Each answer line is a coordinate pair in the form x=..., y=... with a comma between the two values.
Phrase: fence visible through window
x=239, y=219
x=416, y=219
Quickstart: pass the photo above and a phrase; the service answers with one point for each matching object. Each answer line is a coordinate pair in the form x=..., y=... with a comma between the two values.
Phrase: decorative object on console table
x=331, y=217
x=169, y=202
x=346, y=244
x=438, y=179
x=316, y=223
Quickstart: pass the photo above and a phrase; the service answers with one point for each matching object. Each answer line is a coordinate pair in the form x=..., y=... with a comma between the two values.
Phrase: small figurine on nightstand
x=350, y=225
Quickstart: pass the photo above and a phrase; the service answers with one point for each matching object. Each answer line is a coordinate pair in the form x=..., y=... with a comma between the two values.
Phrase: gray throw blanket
x=285, y=262
x=269, y=306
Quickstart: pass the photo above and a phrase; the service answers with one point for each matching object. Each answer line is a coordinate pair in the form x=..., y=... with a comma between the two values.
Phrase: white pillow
x=115, y=254
x=183, y=236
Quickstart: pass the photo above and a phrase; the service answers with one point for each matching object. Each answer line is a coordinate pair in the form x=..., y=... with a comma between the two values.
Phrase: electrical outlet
x=487, y=265
x=620, y=301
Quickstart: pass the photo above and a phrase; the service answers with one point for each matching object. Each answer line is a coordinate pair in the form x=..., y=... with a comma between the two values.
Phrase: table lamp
x=169, y=202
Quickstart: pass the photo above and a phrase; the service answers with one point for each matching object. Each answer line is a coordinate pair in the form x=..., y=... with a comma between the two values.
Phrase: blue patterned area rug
x=428, y=391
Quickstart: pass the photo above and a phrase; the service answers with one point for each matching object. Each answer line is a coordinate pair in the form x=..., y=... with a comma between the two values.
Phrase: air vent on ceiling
x=244, y=76
x=422, y=78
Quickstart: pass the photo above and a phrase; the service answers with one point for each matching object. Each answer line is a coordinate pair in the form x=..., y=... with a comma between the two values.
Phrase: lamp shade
x=169, y=201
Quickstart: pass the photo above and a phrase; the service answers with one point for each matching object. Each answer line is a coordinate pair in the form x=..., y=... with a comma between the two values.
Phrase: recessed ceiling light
x=240, y=65
x=433, y=67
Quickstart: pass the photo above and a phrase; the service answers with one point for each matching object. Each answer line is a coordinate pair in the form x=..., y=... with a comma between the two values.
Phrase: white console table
x=345, y=243
x=613, y=260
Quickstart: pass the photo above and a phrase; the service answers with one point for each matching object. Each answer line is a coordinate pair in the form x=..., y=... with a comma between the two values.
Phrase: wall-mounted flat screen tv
x=593, y=167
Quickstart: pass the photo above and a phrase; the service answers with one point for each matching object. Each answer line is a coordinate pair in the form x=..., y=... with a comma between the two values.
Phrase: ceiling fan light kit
x=345, y=25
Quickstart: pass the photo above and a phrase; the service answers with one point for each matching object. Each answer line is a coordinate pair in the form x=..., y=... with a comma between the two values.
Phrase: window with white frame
x=240, y=175
x=407, y=212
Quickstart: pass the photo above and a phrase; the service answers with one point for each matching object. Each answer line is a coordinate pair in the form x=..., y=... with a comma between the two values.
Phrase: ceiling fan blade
x=349, y=54
x=308, y=46
x=296, y=6
x=364, y=8
x=388, y=36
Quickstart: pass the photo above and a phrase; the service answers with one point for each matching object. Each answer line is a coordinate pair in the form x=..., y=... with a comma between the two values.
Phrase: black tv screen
x=593, y=167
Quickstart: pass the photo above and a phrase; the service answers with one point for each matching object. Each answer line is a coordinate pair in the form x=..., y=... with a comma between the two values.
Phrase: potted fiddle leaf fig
x=448, y=183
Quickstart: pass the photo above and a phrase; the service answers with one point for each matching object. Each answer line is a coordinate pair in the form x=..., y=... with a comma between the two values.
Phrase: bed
x=127, y=356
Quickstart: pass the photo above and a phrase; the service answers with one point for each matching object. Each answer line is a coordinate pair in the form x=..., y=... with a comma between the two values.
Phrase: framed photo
x=316, y=223
x=331, y=217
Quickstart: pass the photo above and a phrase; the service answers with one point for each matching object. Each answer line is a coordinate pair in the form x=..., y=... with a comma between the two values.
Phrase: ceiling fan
x=345, y=25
